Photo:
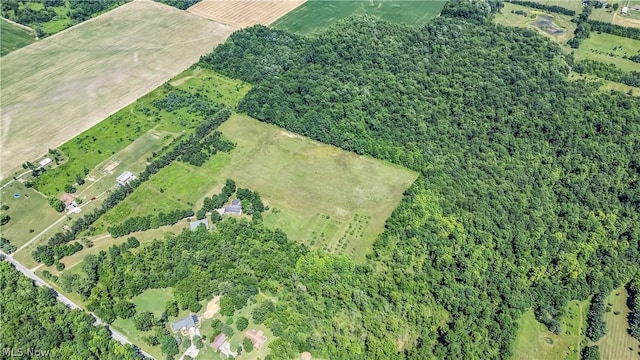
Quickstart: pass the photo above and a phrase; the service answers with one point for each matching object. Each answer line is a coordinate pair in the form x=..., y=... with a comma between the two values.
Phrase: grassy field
x=30, y=213
x=13, y=37
x=61, y=86
x=98, y=146
x=507, y=18
x=610, y=49
x=318, y=194
x=534, y=341
x=617, y=343
x=316, y=15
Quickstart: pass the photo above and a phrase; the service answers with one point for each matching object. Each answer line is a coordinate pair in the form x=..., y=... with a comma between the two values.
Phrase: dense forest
x=529, y=188
x=34, y=324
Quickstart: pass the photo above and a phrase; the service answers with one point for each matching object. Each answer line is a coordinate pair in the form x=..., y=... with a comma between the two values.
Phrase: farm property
x=318, y=194
x=244, y=13
x=315, y=15
x=62, y=85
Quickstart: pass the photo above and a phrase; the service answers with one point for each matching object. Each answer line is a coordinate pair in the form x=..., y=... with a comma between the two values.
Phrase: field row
x=244, y=13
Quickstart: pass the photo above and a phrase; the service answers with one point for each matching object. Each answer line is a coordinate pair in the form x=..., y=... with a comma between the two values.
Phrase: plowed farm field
x=58, y=87
x=243, y=13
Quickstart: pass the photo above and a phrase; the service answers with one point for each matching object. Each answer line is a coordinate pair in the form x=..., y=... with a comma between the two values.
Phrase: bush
x=242, y=323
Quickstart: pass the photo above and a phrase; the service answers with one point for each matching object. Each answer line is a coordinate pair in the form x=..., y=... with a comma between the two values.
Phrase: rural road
x=65, y=300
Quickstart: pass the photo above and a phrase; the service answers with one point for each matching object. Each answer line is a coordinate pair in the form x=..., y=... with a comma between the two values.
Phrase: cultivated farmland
x=60, y=86
x=316, y=15
x=617, y=343
x=244, y=13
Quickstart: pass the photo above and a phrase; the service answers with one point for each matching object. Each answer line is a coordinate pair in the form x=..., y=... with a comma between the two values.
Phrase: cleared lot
x=60, y=86
x=243, y=13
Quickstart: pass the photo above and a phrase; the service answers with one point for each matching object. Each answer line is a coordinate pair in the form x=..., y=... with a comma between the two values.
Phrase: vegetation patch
x=617, y=343
x=13, y=37
x=316, y=15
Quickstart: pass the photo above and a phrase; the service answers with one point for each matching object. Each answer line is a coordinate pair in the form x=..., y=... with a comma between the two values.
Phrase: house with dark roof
x=185, y=323
x=234, y=209
x=194, y=224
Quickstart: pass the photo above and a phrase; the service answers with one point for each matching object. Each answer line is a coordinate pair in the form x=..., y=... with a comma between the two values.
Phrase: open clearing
x=243, y=13
x=534, y=341
x=316, y=15
x=58, y=87
x=557, y=27
x=617, y=343
x=318, y=194
x=610, y=49
x=14, y=37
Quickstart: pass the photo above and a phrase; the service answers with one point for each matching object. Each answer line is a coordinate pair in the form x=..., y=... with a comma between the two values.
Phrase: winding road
x=65, y=300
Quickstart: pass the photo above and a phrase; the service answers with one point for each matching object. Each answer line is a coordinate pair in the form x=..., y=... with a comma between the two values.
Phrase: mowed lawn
x=13, y=37
x=316, y=15
x=534, y=341
x=318, y=194
x=62, y=85
x=30, y=213
x=617, y=343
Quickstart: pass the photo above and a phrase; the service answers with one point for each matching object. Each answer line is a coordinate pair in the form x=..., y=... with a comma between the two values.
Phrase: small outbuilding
x=125, y=178
x=234, y=209
x=46, y=161
x=185, y=323
x=218, y=341
x=68, y=200
x=625, y=10
x=194, y=224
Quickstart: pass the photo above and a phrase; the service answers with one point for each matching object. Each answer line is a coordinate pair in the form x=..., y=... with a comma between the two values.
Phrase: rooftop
x=184, y=323
x=257, y=338
x=218, y=341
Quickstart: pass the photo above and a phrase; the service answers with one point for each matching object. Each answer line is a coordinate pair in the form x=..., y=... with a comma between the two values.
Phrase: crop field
x=534, y=341
x=617, y=343
x=14, y=37
x=63, y=85
x=318, y=194
x=241, y=13
x=557, y=27
x=316, y=15
x=96, y=147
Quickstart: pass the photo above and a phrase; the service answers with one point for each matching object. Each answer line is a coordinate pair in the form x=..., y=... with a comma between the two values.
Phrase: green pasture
x=113, y=134
x=318, y=194
x=316, y=15
x=534, y=341
x=617, y=343
x=13, y=37
x=610, y=49
x=30, y=213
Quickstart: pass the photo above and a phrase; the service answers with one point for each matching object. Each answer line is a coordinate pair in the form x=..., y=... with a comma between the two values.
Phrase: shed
x=194, y=224
x=218, y=341
x=625, y=10
x=125, y=178
x=184, y=323
x=46, y=161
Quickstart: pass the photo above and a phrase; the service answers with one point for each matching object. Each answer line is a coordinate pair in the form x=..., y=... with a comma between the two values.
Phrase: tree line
x=608, y=72
x=634, y=306
x=46, y=253
x=142, y=223
x=550, y=8
x=613, y=29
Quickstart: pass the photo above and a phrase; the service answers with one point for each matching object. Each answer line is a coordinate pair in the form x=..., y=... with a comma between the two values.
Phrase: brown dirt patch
x=212, y=308
x=56, y=88
x=243, y=13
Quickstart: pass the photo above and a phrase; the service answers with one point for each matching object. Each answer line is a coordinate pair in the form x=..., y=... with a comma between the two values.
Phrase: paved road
x=65, y=300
